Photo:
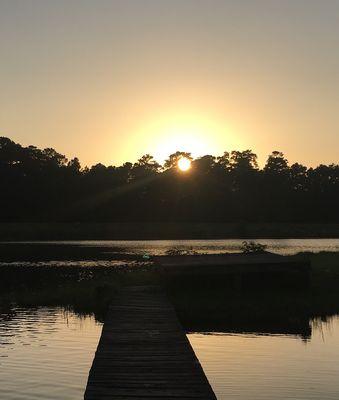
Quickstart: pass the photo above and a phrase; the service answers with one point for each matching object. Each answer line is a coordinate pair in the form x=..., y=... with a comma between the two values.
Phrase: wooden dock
x=144, y=353
x=243, y=270
x=227, y=264
x=230, y=262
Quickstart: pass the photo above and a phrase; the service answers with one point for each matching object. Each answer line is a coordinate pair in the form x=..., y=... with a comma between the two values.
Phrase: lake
x=213, y=246
x=46, y=352
x=115, y=253
x=272, y=367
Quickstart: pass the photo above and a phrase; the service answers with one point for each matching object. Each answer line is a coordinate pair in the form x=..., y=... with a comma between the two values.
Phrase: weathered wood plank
x=144, y=353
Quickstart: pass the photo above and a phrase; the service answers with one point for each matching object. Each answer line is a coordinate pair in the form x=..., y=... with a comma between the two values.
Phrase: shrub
x=253, y=247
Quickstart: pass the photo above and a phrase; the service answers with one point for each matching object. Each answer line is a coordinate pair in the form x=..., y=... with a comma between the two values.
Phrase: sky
x=110, y=80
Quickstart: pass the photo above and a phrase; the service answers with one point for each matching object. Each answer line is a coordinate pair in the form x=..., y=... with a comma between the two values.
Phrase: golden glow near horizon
x=164, y=76
x=184, y=164
x=198, y=133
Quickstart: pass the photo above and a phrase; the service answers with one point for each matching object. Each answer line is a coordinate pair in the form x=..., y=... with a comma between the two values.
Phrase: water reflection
x=274, y=367
x=126, y=251
x=76, y=264
x=45, y=353
x=274, y=348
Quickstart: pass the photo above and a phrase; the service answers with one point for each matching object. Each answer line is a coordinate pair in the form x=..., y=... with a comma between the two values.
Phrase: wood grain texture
x=144, y=353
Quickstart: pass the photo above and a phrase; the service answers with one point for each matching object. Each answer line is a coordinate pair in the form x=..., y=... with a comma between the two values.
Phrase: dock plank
x=143, y=352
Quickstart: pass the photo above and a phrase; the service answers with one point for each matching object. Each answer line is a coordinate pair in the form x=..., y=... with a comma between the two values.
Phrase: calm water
x=159, y=247
x=111, y=253
x=45, y=353
x=281, y=246
x=253, y=367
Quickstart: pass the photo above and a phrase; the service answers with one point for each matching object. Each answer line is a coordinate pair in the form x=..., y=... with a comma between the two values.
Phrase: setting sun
x=184, y=164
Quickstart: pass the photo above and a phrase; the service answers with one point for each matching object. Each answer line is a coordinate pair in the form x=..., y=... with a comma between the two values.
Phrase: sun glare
x=184, y=164
x=191, y=132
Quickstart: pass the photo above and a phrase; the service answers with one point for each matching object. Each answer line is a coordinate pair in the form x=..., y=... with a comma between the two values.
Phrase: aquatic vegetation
x=179, y=251
x=253, y=247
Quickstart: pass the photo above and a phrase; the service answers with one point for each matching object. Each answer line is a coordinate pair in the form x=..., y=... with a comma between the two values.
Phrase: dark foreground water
x=46, y=353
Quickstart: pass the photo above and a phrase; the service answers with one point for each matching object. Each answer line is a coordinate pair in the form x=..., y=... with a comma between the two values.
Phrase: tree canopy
x=42, y=185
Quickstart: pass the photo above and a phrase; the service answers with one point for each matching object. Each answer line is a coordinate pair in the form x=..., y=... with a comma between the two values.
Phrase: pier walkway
x=144, y=353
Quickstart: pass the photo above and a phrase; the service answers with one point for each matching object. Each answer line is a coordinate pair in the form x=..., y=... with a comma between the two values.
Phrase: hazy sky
x=110, y=80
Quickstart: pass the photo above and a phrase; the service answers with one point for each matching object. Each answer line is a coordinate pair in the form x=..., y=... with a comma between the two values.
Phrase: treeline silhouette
x=42, y=185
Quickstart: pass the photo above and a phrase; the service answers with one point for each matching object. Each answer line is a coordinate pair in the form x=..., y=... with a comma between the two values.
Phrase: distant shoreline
x=164, y=231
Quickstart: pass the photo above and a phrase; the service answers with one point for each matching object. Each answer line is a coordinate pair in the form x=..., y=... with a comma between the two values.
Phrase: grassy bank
x=150, y=231
x=82, y=290
x=217, y=306
x=208, y=305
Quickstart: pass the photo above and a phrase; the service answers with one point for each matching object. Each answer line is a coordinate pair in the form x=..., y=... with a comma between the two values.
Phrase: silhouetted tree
x=276, y=164
x=42, y=185
x=173, y=159
x=224, y=161
x=243, y=161
x=74, y=165
x=148, y=162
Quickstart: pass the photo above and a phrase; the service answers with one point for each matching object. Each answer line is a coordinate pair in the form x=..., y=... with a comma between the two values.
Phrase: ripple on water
x=48, y=355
